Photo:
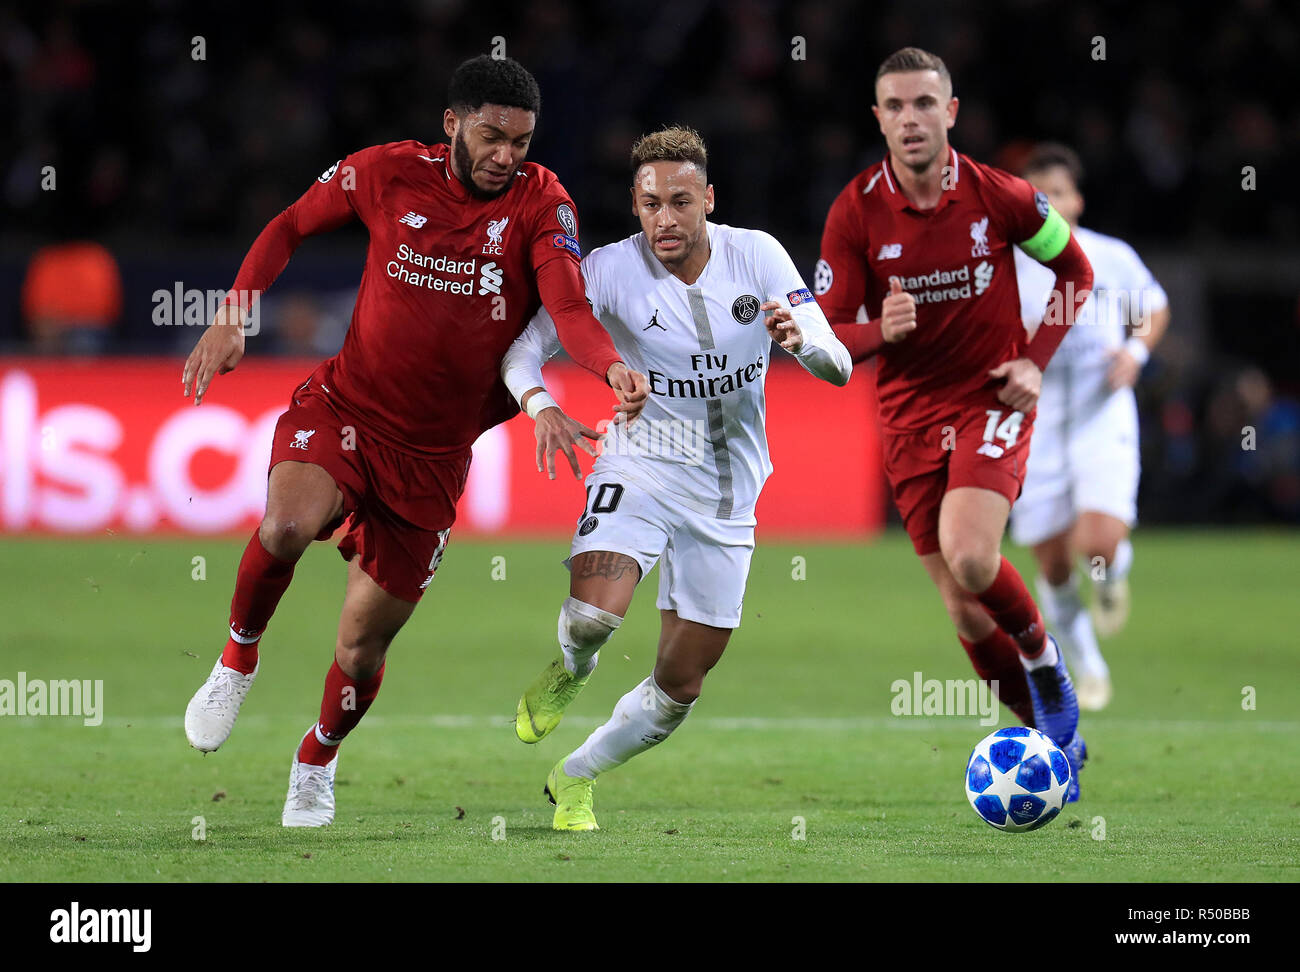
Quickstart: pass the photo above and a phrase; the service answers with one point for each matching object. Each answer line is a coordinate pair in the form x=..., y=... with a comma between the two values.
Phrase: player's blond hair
x=676, y=143
x=908, y=59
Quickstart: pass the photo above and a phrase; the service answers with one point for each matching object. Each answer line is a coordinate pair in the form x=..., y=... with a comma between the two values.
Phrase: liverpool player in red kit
x=923, y=242
x=466, y=242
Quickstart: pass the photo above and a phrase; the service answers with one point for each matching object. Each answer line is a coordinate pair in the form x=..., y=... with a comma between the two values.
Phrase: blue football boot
x=1077, y=754
x=1056, y=710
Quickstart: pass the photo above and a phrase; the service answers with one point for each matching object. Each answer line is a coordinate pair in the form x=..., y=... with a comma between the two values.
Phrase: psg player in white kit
x=694, y=306
x=1080, y=493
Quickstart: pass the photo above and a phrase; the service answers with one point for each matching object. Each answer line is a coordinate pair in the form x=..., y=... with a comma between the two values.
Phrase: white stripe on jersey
x=705, y=350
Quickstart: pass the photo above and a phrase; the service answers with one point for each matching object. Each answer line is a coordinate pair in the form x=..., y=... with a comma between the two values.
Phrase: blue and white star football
x=1016, y=779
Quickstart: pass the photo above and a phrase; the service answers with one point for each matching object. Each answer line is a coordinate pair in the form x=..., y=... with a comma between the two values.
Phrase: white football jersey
x=1123, y=292
x=705, y=350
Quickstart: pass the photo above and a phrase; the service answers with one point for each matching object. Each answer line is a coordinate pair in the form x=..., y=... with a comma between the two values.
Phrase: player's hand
x=782, y=327
x=632, y=389
x=897, y=313
x=218, y=351
x=556, y=432
x=1124, y=369
x=1023, y=383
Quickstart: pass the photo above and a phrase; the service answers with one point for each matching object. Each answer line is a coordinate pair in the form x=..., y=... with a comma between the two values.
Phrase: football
x=1016, y=779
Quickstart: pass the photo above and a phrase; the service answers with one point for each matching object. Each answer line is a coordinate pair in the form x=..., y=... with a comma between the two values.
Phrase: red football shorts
x=399, y=507
x=987, y=448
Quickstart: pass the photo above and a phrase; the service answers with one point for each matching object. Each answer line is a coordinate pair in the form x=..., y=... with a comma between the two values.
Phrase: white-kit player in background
x=694, y=306
x=1080, y=494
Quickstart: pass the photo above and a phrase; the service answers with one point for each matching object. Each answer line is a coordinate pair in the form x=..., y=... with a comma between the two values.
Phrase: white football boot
x=310, y=802
x=210, y=716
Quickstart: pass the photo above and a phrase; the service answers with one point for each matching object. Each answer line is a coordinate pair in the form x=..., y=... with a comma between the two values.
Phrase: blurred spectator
x=71, y=298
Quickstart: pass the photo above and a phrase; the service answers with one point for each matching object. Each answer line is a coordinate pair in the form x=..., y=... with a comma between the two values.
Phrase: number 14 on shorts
x=1008, y=430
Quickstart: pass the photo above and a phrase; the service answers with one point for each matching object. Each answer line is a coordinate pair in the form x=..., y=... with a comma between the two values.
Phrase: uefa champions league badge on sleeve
x=568, y=222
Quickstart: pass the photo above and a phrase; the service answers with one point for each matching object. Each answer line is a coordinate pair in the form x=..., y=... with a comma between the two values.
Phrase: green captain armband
x=1051, y=238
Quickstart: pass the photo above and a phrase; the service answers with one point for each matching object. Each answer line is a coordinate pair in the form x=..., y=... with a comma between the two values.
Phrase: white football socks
x=643, y=718
x=1120, y=565
x=583, y=628
x=1071, y=625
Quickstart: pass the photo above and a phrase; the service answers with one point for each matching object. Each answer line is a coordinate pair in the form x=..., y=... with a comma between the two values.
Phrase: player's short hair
x=1051, y=155
x=486, y=80
x=676, y=143
x=914, y=59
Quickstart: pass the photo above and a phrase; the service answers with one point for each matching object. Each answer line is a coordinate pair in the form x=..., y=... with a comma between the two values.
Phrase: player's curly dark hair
x=485, y=80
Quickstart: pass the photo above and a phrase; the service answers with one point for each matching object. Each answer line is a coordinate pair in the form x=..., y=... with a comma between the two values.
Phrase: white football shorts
x=705, y=560
x=1082, y=459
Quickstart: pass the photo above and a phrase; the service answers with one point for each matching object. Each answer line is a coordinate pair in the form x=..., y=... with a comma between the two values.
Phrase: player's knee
x=1056, y=570
x=584, y=626
x=285, y=537
x=361, y=657
x=973, y=568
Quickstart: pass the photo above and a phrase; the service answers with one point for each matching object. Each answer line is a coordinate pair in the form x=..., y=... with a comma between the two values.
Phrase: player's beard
x=465, y=165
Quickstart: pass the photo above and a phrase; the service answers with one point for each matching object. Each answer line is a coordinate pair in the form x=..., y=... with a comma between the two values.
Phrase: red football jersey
x=957, y=263
x=449, y=282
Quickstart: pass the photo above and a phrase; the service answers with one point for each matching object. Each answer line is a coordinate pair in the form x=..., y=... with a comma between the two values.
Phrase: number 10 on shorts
x=1008, y=430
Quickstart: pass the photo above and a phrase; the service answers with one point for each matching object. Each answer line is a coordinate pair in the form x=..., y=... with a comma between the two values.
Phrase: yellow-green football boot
x=572, y=798
x=542, y=705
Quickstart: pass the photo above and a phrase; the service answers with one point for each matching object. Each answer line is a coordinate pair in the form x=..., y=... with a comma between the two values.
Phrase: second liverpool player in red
x=923, y=241
x=466, y=242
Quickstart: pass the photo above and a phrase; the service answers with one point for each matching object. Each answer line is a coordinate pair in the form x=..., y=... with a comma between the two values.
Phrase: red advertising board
x=95, y=444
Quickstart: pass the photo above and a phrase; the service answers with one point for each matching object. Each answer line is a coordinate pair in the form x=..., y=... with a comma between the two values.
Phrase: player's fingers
x=541, y=448
x=895, y=286
x=550, y=460
x=202, y=379
x=588, y=431
x=573, y=459
x=769, y=305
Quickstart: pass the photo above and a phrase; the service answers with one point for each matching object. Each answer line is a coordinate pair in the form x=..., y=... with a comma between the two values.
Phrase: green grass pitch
x=793, y=737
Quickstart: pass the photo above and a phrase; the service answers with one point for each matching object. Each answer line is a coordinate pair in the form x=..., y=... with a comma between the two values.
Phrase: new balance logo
x=654, y=322
x=414, y=220
x=300, y=438
x=990, y=450
x=890, y=251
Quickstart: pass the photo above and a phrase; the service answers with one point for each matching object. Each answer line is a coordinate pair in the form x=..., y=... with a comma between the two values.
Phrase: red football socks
x=344, y=703
x=997, y=660
x=259, y=585
x=1008, y=602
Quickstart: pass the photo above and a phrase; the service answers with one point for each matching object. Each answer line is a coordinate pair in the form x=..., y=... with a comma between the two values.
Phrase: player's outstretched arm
x=521, y=370
x=324, y=206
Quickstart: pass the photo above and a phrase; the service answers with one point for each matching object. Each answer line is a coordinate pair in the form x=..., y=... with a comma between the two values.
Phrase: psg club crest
x=745, y=308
